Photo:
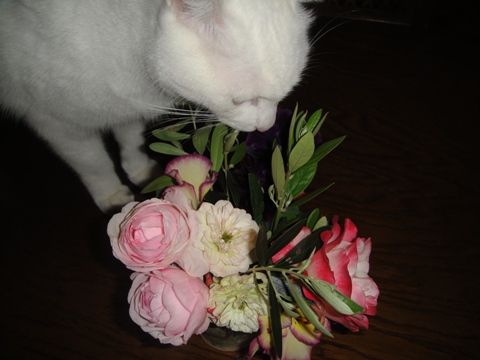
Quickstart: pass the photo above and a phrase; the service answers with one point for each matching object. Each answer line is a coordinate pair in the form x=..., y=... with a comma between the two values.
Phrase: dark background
x=403, y=86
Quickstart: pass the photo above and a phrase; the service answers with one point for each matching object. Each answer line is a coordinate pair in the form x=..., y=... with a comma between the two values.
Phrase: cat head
x=238, y=58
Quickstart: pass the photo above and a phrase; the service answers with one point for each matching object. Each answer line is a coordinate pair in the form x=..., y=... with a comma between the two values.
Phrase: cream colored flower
x=236, y=302
x=226, y=237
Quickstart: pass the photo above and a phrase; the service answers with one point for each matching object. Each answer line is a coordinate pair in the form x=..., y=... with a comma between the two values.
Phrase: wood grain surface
x=407, y=175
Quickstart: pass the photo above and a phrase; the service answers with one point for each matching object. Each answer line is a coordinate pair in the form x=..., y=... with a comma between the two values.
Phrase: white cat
x=73, y=68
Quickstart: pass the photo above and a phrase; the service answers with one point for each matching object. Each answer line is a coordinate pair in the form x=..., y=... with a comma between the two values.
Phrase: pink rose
x=344, y=261
x=169, y=304
x=151, y=235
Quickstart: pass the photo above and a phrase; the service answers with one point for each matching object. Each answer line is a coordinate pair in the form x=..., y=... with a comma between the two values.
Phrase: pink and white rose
x=151, y=235
x=344, y=261
x=169, y=304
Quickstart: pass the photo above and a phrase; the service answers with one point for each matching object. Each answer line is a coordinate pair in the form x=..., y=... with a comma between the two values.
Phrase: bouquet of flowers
x=224, y=242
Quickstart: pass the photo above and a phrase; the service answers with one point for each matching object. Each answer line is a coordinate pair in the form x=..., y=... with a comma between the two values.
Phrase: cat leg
x=85, y=152
x=138, y=166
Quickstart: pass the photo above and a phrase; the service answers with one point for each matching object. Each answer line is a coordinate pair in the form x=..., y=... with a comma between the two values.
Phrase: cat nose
x=262, y=129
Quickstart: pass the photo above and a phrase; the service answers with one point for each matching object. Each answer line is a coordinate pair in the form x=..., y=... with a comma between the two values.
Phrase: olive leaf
x=319, y=125
x=166, y=149
x=312, y=219
x=275, y=320
x=291, y=131
x=301, y=126
x=230, y=140
x=324, y=149
x=313, y=121
x=233, y=189
x=169, y=135
x=307, y=198
x=300, y=180
x=256, y=198
x=216, y=146
x=322, y=222
x=301, y=152
x=306, y=310
x=284, y=239
x=261, y=246
x=200, y=139
x=238, y=153
x=335, y=298
x=278, y=171
x=158, y=184
x=302, y=250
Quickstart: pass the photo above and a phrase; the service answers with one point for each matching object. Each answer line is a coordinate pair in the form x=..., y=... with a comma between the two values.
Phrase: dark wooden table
x=407, y=175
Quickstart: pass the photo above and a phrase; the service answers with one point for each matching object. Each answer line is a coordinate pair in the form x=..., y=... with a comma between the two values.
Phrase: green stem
x=269, y=269
x=282, y=207
x=225, y=171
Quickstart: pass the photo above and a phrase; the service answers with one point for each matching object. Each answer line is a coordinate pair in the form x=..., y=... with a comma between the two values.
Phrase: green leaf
x=166, y=149
x=239, y=153
x=261, y=246
x=287, y=306
x=216, y=146
x=200, y=139
x=319, y=125
x=233, y=189
x=159, y=183
x=256, y=198
x=302, y=250
x=177, y=126
x=329, y=293
x=278, y=171
x=313, y=219
x=301, y=126
x=307, y=198
x=324, y=149
x=291, y=131
x=230, y=140
x=290, y=217
x=284, y=239
x=300, y=180
x=302, y=152
x=307, y=311
x=322, y=222
x=275, y=320
x=314, y=120
x=168, y=135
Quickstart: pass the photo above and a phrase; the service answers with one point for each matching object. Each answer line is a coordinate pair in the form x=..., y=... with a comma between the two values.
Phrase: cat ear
x=203, y=15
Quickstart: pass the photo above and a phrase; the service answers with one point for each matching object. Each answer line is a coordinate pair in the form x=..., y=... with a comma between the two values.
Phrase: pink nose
x=262, y=128
x=264, y=123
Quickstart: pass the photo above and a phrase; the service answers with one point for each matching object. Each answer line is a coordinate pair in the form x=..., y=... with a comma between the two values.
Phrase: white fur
x=73, y=68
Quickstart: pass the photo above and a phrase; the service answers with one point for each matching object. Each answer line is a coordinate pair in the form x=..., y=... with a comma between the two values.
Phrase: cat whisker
x=322, y=32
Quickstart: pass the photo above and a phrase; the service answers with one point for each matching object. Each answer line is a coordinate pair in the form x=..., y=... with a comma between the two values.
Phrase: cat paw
x=116, y=200
x=144, y=176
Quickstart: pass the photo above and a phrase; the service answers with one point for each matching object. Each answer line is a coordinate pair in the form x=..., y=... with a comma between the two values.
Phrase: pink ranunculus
x=298, y=337
x=151, y=235
x=344, y=261
x=169, y=304
x=193, y=176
